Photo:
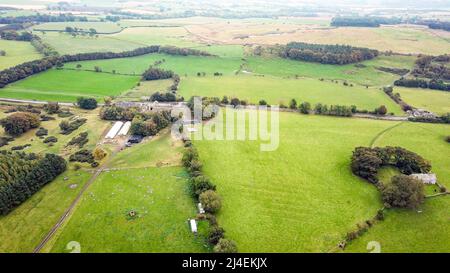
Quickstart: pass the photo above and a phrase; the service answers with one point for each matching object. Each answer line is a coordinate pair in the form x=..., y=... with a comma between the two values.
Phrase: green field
x=275, y=90
x=16, y=53
x=432, y=100
x=158, y=195
x=182, y=65
x=100, y=27
x=68, y=85
x=413, y=231
x=367, y=75
x=303, y=197
x=23, y=229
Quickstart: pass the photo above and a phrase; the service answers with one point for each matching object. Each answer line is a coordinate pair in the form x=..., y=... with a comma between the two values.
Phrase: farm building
x=114, y=130
x=125, y=129
x=429, y=179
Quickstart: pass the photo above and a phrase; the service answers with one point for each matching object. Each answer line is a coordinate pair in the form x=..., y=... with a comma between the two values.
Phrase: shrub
x=262, y=102
x=200, y=184
x=52, y=108
x=211, y=201
x=215, y=235
x=293, y=104
x=447, y=139
x=41, y=132
x=235, y=102
x=225, y=100
x=68, y=127
x=79, y=140
x=304, y=108
x=99, y=153
x=19, y=123
x=87, y=103
x=404, y=192
x=382, y=110
x=50, y=139
x=157, y=74
x=225, y=246
x=82, y=156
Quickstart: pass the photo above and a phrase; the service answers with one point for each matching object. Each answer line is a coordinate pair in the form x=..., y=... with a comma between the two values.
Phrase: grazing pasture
x=16, y=53
x=145, y=89
x=299, y=198
x=425, y=229
x=432, y=100
x=68, y=85
x=100, y=27
x=23, y=229
x=162, y=205
x=364, y=73
x=275, y=90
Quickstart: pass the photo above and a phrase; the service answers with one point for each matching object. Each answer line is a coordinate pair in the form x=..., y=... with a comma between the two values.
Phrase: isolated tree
x=382, y=110
x=225, y=246
x=404, y=192
x=305, y=108
x=293, y=104
x=235, y=102
x=87, y=103
x=262, y=102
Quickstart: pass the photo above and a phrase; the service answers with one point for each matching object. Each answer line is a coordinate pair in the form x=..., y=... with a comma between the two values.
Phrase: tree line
x=42, y=18
x=327, y=54
x=366, y=21
x=27, y=69
x=22, y=175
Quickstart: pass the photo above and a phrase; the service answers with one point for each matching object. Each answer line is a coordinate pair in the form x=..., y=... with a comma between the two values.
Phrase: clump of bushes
x=87, y=103
x=52, y=108
x=163, y=97
x=99, y=153
x=20, y=148
x=68, y=127
x=225, y=246
x=50, y=139
x=5, y=141
x=41, y=132
x=118, y=113
x=150, y=124
x=65, y=114
x=18, y=123
x=79, y=140
x=157, y=74
x=447, y=139
x=82, y=156
x=211, y=201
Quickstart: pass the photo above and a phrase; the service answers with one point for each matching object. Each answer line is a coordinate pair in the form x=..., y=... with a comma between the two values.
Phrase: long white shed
x=114, y=130
x=126, y=127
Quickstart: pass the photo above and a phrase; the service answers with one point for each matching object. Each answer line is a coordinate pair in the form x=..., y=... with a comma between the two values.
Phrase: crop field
x=365, y=74
x=16, y=53
x=275, y=90
x=68, y=85
x=432, y=100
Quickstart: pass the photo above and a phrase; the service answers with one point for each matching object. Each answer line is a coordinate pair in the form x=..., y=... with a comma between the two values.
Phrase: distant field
x=432, y=100
x=299, y=198
x=160, y=198
x=16, y=53
x=276, y=90
x=182, y=65
x=68, y=85
x=101, y=27
x=367, y=75
x=145, y=89
x=414, y=231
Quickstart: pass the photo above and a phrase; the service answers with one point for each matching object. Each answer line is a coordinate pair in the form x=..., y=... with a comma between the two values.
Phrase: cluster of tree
x=43, y=48
x=19, y=123
x=173, y=50
x=118, y=113
x=327, y=54
x=5, y=140
x=153, y=73
x=441, y=119
x=335, y=110
x=164, y=97
x=67, y=127
x=149, y=124
x=42, y=18
x=396, y=71
x=79, y=140
x=421, y=83
x=13, y=35
x=210, y=106
x=389, y=90
x=27, y=69
x=22, y=175
x=176, y=82
x=435, y=24
x=366, y=21
x=84, y=156
x=403, y=192
x=367, y=161
x=204, y=191
x=87, y=103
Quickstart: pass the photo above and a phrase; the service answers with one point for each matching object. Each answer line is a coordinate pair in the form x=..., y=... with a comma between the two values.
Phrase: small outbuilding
x=426, y=178
x=193, y=225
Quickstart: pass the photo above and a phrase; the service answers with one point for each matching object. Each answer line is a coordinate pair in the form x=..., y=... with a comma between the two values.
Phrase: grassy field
x=432, y=100
x=182, y=65
x=145, y=89
x=26, y=226
x=302, y=197
x=275, y=90
x=16, y=53
x=101, y=27
x=427, y=229
x=367, y=75
x=158, y=195
x=68, y=85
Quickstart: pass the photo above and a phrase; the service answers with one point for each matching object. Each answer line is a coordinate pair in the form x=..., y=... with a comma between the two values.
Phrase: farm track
x=382, y=133
x=75, y=202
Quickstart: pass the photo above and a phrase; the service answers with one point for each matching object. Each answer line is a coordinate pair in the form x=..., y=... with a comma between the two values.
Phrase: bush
x=68, y=127
x=50, y=139
x=225, y=246
x=211, y=201
x=41, y=132
x=293, y=104
x=87, y=103
x=18, y=123
x=235, y=102
x=304, y=108
x=118, y=113
x=404, y=192
x=52, y=108
x=447, y=139
x=262, y=102
x=215, y=235
x=382, y=110
x=200, y=184
x=99, y=153
x=157, y=74
x=79, y=140
x=82, y=156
